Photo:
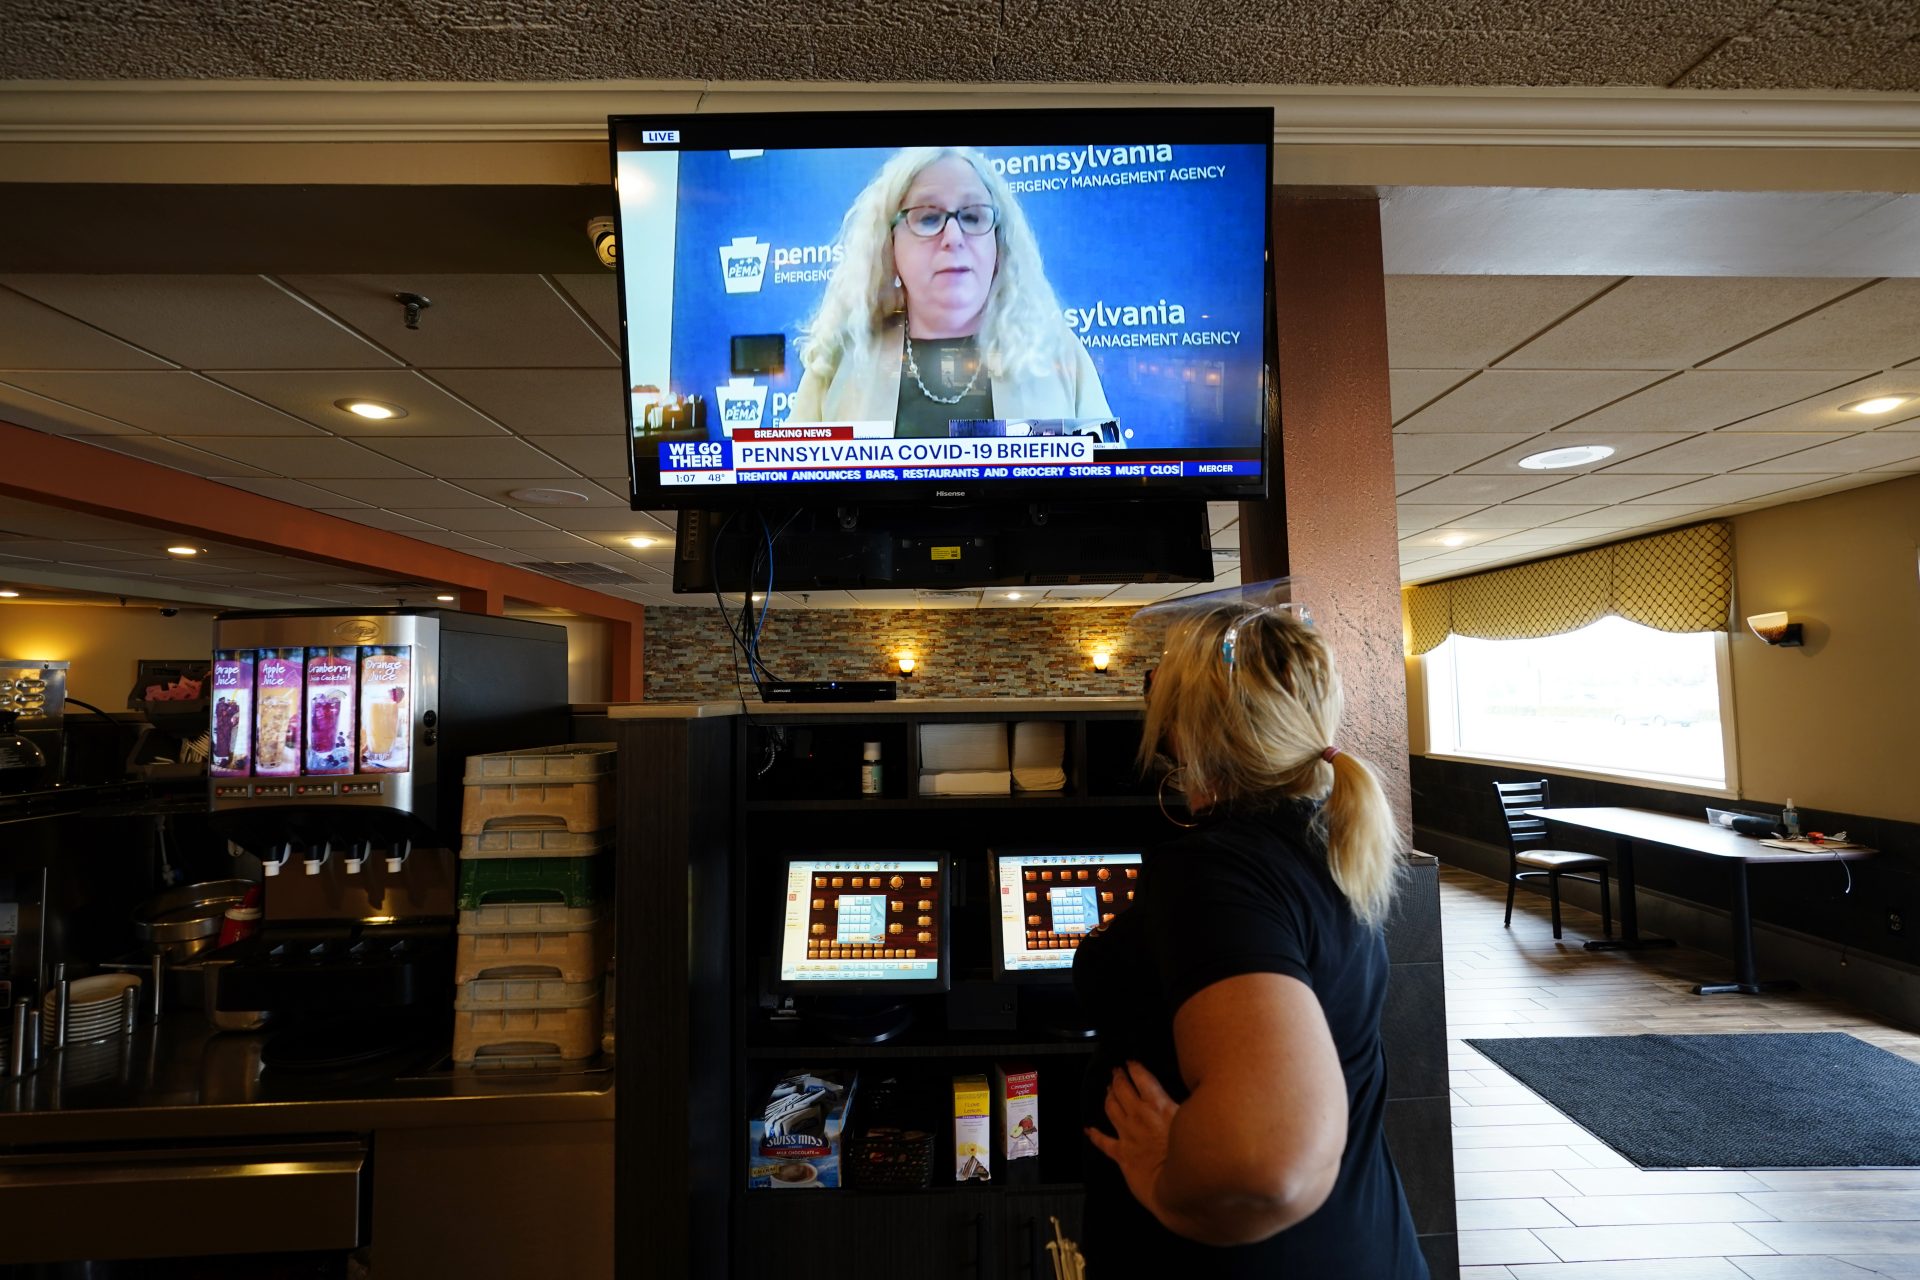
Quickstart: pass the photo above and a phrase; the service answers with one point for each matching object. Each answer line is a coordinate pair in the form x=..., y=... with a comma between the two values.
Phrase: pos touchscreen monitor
x=1050, y=901
x=864, y=924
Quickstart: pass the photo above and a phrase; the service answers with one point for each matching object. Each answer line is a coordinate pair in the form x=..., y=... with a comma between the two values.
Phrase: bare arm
x=1256, y=1147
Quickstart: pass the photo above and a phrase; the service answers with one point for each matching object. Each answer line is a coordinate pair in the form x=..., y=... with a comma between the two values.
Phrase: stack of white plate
x=94, y=1008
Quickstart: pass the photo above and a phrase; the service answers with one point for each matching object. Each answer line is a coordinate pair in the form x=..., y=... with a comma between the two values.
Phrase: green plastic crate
x=573, y=882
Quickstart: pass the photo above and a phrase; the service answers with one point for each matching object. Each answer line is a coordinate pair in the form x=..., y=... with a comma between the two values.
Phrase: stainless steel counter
x=184, y=1080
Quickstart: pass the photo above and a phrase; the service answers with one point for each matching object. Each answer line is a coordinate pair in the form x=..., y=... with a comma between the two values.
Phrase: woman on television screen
x=1237, y=1096
x=940, y=310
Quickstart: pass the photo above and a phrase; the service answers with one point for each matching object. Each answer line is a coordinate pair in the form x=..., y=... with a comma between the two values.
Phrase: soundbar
x=827, y=691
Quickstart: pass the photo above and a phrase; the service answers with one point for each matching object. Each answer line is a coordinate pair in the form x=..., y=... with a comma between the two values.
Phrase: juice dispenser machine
x=339, y=745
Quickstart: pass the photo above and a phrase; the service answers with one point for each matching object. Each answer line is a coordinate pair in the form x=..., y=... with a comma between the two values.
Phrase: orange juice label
x=386, y=709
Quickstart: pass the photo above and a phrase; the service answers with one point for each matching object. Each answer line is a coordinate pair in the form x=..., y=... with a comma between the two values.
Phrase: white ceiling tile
x=476, y=321
x=310, y=394
x=373, y=517
x=1878, y=326
x=208, y=321
x=1714, y=453
x=1702, y=399
x=152, y=552
x=1222, y=514
x=595, y=495
x=544, y=539
x=598, y=296
x=545, y=402
x=589, y=455
x=172, y=453
x=171, y=402
x=25, y=409
x=1507, y=461
x=1822, y=412
x=1621, y=518
x=587, y=519
x=1535, y=539
x=1525, y=399
x=1480, y=489
x=454, y=541
x=1441, y=453
x=1742, y=487
x=1413, y=388
x=317, y=458
x=500, y=457
x=1466, y=322
x=405, y=494
x=35, y=336
x=1414, y=518
x=1402, y=484
x=1672, y=322
x=39, y=520
x=1854, y=453
x=298, y=492
x=1519, y=517
x=1442, y=541
x=481, y=520
x=1838, y=484
x=1603, y=490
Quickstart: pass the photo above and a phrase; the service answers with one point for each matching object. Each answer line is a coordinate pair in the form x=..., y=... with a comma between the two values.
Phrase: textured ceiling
x=1704, y=44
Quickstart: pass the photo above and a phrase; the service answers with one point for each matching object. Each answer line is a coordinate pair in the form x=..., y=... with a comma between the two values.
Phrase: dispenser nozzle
x=317, y=856
x=397, y=854
x=277, y=855
x=357, y=855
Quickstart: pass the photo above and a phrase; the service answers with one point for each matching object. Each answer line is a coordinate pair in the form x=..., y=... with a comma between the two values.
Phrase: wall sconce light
x=1774, y=629
x=907, y=664
x=1100, y=660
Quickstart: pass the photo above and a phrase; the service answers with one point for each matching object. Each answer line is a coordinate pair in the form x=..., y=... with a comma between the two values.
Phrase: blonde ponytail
x=1250, y=701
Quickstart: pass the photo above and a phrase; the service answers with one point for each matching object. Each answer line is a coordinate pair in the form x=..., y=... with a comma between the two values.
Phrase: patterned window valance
x=1681, y=580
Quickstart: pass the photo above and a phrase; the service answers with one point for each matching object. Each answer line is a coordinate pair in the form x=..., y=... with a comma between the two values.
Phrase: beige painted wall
x=1835, y=724
x=103, y=642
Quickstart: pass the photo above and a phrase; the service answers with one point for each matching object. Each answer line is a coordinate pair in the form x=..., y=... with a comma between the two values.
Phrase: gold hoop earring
x=1165, y=778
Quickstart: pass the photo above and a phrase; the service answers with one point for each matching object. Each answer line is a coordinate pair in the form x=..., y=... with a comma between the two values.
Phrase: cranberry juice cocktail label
x=330, y=709
x=276, y=698
x=232, y=710
x=386, y=708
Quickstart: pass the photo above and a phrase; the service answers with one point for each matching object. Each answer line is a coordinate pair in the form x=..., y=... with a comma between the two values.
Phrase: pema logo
x=743, y=264
x=742, y=404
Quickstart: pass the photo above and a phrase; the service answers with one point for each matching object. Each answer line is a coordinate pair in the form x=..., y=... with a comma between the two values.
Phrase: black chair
x=1529, y=858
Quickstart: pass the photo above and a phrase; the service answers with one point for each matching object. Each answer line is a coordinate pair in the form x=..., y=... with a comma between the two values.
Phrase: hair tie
x=1329, y=754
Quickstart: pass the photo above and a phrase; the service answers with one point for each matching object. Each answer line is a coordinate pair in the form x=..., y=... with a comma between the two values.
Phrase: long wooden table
x=1701, y=839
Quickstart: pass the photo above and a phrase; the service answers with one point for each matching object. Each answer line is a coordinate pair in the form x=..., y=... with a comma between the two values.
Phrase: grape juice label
x=330, y=709
x=386, y=708
x=232, y=709
x=276, y=718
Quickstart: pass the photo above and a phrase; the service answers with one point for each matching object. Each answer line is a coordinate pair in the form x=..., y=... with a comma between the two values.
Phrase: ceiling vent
x=1226, y=553
x=384, y=588
x=581, y=573
x=1079, y=593
x=947, y=597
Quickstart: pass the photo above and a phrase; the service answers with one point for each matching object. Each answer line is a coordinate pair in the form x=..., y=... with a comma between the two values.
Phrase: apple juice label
x=232, y=709
x=276, y=719
x=330, y=709
x=386, y=708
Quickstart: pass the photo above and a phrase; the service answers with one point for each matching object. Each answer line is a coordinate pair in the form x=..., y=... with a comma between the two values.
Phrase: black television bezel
x=1064, y=974
x=1005, y=127
x=938, y=985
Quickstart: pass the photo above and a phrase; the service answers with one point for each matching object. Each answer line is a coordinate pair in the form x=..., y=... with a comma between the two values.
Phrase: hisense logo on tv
x=743, y=264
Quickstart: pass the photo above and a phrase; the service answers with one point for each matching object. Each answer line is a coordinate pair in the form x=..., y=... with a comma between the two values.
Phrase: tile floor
x=1540, y=1199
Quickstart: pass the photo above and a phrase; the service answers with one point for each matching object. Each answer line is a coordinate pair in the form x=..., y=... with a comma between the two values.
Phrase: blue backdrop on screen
x=1158, y=261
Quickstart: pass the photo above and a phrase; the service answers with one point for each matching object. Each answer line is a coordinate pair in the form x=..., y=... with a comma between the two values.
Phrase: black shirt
x=947, y=366
x=1247, y=893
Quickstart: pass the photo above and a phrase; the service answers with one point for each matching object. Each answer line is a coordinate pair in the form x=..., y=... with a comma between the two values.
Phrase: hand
x=1142, y=1115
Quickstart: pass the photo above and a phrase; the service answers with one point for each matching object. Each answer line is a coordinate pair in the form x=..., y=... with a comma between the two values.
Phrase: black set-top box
x=827, y=691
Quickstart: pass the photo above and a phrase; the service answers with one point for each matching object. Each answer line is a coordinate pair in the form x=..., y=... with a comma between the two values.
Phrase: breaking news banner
x=1154, y=252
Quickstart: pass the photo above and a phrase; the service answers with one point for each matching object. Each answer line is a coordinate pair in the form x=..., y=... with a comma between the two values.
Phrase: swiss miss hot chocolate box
x=798, y=1141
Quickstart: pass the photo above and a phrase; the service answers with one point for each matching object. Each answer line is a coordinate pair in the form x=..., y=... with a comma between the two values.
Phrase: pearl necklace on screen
x=914, y=368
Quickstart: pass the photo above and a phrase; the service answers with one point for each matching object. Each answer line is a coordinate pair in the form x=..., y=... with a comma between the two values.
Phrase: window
x=1614, y=697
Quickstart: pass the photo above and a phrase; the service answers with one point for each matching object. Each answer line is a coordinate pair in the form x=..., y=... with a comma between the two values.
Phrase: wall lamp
x=907, y=664
x=1100, y=660
x=1774, y=629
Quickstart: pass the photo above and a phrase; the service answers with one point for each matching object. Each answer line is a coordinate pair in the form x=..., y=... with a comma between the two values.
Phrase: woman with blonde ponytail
x=1239, y=1089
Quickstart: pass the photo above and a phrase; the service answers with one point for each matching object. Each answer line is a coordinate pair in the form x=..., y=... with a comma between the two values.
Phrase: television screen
x=867, y=922
x=1049, y=902
x=972, y=304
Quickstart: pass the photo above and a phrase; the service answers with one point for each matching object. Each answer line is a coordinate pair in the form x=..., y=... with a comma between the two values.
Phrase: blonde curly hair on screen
x=1250, y=702
x=1023, y=332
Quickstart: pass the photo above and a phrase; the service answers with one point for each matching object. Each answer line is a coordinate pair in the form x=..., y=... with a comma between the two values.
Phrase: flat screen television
x=892, y=307
x=864, y=924
x=1050, y=901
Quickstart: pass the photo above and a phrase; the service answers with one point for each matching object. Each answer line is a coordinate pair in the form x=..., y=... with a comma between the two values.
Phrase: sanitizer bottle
x=1790, y=819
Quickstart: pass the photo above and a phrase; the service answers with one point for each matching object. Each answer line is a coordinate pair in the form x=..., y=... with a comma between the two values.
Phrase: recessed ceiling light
x=184, y=551
x=1455, y=539
x=548, y=497
x=446, y=599
x=379, y=410
x=641, y=540
x=1013, y=595
x=1879, y=404
x=1576, y=455
x=9, y=595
